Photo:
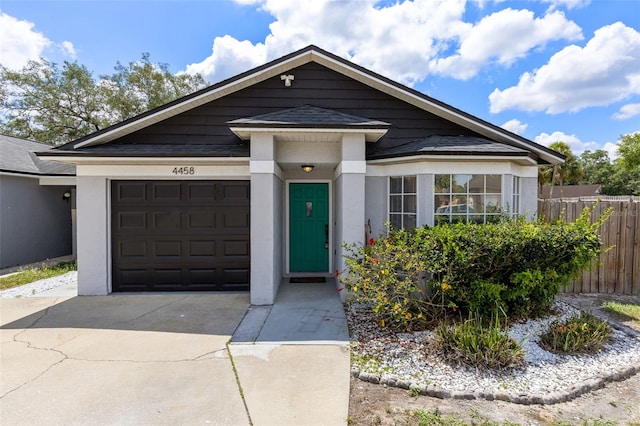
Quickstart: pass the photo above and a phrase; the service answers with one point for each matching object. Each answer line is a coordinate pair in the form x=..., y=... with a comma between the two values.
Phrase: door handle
x=326, y=236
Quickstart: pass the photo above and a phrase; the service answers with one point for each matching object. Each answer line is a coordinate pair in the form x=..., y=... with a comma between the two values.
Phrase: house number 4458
x=184, y=171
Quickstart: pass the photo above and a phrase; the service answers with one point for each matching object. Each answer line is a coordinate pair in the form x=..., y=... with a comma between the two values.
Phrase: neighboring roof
x=303, y=56
x=571, y=191
x=161, y=150
x=450, y=145
x=17, y=156
x=309, y=116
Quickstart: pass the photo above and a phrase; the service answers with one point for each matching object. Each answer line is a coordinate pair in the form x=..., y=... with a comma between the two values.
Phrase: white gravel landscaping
x=35, y=287
x=405, y=360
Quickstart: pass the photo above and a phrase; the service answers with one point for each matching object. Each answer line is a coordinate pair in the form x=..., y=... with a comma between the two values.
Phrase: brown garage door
x=180, y=235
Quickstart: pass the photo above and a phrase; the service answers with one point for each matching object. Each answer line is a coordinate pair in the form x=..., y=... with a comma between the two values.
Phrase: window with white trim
x=515, y=202
x=467, y=198
x=403, y=202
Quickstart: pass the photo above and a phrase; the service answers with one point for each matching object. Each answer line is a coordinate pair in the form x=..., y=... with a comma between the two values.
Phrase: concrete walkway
x=162, y=359
x=293, y=358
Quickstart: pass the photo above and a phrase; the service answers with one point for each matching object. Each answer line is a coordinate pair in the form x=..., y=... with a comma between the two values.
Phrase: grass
x=35, y=274
x=625, y=311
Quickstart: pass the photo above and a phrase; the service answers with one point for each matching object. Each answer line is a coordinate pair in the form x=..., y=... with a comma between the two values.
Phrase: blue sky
x=546, y=69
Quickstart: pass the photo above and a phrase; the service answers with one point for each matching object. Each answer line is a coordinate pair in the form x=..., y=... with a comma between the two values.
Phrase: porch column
x=93, y=236
x=350, y=199
x=266, y=239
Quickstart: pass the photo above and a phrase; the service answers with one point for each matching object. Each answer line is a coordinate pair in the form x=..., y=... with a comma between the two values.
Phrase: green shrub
x=388, y=274
x=579, y=333
x=477, y=344
x=412, y=278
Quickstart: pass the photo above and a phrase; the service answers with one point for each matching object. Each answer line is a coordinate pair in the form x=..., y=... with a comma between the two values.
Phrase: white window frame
x=402, y=194
x=449, y=216
x=515, y=199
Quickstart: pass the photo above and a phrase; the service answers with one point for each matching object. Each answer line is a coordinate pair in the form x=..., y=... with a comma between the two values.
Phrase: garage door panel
x=202, y=192
x=132, y=192
x=235, y=218
x=202, y=248
x=164, y=192
x=186, y=237
x=132, y=248
x=132, y=221
x=235, y=248
x=201, y=220
x=166, y=221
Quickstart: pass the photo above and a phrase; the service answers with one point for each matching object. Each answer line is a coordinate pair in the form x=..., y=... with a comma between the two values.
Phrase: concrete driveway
x=163, y=359
x=126, y=360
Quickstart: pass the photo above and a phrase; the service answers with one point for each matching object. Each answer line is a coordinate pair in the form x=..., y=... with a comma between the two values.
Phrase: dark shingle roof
x=449, y=145
x=308, y=116
x=158, y=150
x=18, y=156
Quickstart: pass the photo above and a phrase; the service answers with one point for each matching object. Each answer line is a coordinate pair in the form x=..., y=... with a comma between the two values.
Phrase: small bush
x=388, y=274
x=578, y=334
x=476, y=344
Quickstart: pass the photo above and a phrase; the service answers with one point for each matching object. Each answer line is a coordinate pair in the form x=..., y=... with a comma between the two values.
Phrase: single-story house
x=265, y=175
x=35, y=204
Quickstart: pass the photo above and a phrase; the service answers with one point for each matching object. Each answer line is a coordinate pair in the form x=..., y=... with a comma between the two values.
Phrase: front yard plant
x=579, y=333
x=479, y=344
x=414, y=279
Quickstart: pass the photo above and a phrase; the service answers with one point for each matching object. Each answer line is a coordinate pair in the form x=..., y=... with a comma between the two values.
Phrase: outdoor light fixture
x=307, y=168
x=66, y=195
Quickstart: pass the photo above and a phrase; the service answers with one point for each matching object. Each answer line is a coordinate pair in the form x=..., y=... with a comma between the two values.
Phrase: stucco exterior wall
x=93, y=217
x=35, y=221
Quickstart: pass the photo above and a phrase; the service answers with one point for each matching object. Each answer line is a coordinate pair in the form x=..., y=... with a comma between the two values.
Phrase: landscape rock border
x=568, y=394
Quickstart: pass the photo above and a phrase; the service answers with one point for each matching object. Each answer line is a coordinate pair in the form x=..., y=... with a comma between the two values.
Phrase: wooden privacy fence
x=617, y=270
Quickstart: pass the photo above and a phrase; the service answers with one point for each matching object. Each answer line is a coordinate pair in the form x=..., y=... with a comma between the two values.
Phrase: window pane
x=409, y=204
x=494, y=184
x=396, y=221
x=395, y=203
x=410, y=184
x=476, y=204
x=458, y=200
x=442, y=183
x=476, y=184
x=442, y=204
x=395, y=185
x=409, y=221
x=459, y=183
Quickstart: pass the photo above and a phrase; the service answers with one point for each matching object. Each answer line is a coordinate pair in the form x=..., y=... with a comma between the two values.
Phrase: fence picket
x=618, y=269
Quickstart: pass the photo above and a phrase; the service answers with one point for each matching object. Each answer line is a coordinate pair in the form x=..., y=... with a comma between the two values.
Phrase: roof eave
x=372, y=134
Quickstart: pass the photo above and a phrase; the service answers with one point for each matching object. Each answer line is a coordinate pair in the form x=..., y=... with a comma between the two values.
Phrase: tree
x=596, y=167
x=568, y=172
x=55, y=105
x=629, y=150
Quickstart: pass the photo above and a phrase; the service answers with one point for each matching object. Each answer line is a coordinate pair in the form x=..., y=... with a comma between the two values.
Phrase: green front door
x=309, y=227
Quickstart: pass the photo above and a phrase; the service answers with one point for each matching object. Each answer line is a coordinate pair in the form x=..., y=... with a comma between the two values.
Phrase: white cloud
x=568, y=4
x=68, y=49
x=20, y=42
x=515, y=126
x=519, y=32
x=576, y=145
x=405, y=40
x=627, y=111
x=604, y=71
x=612, y=150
